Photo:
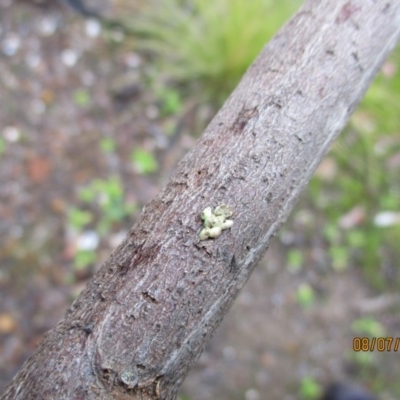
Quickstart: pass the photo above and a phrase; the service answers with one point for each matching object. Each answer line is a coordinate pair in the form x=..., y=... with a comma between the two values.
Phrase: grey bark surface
x=145, y=317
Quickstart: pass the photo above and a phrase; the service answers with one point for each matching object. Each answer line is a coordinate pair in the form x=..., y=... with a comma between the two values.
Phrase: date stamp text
x=376, y=343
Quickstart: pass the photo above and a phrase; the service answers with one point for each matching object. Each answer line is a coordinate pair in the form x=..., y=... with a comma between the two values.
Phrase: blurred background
x=94, y=115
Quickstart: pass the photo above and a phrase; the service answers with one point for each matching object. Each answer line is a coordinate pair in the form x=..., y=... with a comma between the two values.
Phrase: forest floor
x=65, y=88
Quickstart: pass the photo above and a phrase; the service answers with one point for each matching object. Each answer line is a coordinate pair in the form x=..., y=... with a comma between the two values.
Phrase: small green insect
x=215, y=222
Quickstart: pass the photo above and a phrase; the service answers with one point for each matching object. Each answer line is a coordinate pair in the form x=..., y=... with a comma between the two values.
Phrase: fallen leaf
x=7, y=323
x=47, y=96
x=355, y=217
x=38, y=169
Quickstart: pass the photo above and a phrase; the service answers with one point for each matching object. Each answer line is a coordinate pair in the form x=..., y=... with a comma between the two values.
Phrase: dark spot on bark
x=248, y=248
x=330, y=52
x=233, y=264
x=386, y=8
x=123, y=269
x=108, y=373
x=179, y=185
x=242, y=120
x=140, y=366
x=149, y=297
x=277, y=105
x=346, y=12
x=146, y=255
x=256, y=158
x=241, y=125
x=88, y=328
x=356, y=59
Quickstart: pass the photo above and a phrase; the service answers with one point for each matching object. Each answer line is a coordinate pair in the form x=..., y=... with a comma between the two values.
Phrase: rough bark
x=144, y=318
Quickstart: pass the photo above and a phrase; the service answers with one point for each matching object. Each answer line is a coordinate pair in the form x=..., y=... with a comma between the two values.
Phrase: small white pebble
x=47, y=26
x=92, y=28
x=387, y=218
x=133, y=60
x=10, y=44
x=88, y=240
x=69, y=57
x=11, y=133
x=252, y=394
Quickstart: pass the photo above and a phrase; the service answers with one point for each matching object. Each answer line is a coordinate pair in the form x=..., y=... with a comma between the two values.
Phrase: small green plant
x=107, y=145
x=108, y=208
x=81, y=97
x=171, y=101
x=368, y=326
x=108, y=196
x=144, y=161
x=212, y=42
x=340, y=257
x=78, y=219
x=295, y=260
x=2, y=146
x=84, y=258
x=305, y=295
x=309, y=389
x=183, y=397
x=363, y=359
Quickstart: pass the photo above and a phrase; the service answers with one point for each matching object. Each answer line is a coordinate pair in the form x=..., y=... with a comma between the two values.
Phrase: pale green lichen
x=215, y=222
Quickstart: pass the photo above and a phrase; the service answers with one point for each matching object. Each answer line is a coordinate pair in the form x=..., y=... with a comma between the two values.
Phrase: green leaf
x=87, y=194
x=78, y=219
x=81, y=97
x=107, y=145
x=83, y=259
x=295, y=260
x=340, y=257
x=144, y=161
x=368, y=326
x=309, y=389
x=2, y=146
x=331, y=232
x=172, y=102
x=357, y=238
x=305, y=295
x=364, y=358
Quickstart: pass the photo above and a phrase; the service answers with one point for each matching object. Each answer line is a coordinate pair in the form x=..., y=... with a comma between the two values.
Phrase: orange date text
x=376, y=343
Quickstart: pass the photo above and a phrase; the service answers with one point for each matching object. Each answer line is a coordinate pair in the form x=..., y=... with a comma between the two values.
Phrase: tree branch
x=145, y=317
